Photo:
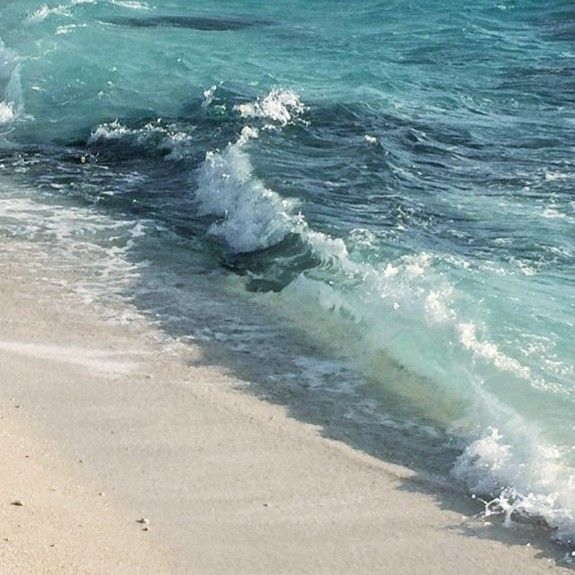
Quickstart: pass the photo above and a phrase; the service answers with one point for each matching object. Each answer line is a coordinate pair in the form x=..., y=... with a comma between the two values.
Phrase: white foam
x=154, y=134
x=110, y=131
x=281, y=106
x=552, y=176
x=39, y=15
x=489, y=352
x=11, y=101
x=44, y=11
x=522, y=474
x=81, y=241
x=252, y=216
x=7, y=112
x=61, y=30
x=131, y=4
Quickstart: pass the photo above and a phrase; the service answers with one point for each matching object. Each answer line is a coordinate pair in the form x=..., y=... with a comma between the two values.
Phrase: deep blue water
x=395, y=178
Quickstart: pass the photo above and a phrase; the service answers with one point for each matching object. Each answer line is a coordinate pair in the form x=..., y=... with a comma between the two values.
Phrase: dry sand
x=103, y=424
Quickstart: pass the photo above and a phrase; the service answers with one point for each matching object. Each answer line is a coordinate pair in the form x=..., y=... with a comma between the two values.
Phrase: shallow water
x=394, y=181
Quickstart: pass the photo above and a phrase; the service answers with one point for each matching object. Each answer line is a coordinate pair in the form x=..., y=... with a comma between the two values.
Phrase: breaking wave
x=11, y=101
x=404, y=314
x=167, y=139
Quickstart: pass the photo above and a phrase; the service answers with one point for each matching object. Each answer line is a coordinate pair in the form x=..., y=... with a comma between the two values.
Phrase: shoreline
x=228, y=482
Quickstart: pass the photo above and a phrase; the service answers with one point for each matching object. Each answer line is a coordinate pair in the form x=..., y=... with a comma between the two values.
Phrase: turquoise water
x=395, y=178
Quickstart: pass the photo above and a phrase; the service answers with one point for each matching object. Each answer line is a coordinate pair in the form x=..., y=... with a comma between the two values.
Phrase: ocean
x=368, y=206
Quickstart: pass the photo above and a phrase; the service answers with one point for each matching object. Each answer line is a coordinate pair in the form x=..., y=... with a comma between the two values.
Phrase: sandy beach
x=123, y=454
x=287, y=288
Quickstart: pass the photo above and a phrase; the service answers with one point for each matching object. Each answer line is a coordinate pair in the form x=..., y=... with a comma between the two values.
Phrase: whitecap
x=165, y=138
x=281, y=106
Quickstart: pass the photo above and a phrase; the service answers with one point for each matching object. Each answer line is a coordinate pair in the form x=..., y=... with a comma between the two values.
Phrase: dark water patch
x=275, y=267
x=554, y=20
x=189, y=135
x=190, y=22
x=553, y=84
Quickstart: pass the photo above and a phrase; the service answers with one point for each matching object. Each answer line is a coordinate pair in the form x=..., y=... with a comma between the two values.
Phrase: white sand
x=229, y=483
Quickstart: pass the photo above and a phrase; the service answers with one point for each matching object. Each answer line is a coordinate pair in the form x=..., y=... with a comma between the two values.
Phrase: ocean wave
x=252, y=216
x=406, y=310
x=418, y=231
x=403, y=322
x=400, y=325
x=167, y=139
x=43, y=12
x=11, y=100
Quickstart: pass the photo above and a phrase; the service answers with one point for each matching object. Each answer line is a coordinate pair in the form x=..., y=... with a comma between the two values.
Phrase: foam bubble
x=489, y=351
x=110, y=131
x=61, y=30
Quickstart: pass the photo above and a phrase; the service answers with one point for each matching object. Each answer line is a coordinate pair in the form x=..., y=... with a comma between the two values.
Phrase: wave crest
x=11, y=101
x=280, y=106
x=154, y=136
x=253, y=217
